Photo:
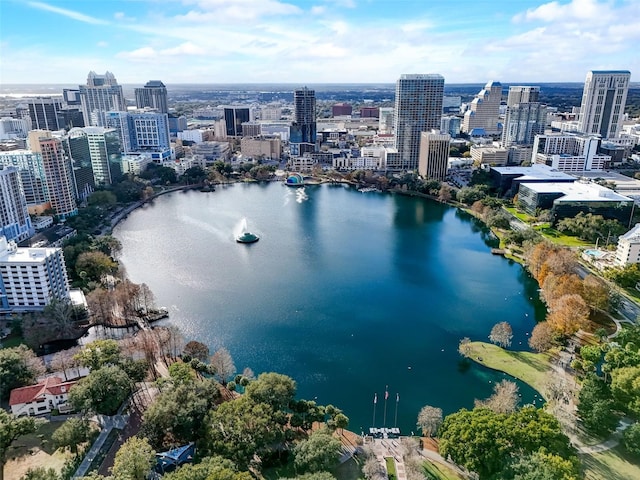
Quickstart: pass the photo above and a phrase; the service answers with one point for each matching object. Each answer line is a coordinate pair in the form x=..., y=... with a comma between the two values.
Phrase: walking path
x=107, y=423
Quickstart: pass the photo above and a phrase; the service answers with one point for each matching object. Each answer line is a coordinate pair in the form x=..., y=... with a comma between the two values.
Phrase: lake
x=346, y=292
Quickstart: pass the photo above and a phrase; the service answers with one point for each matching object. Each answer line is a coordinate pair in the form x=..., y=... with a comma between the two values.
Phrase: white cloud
x=318, y=9
x=102, y=44
x=576, y=9
x=81, y=17
x=237, y=10
x=143, y=53
x=186, y=48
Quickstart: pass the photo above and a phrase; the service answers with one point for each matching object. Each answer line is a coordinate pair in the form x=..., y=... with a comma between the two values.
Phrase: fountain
x=244, y=236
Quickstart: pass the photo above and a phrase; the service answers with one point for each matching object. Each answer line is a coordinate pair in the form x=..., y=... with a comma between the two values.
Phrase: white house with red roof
x=50, y=394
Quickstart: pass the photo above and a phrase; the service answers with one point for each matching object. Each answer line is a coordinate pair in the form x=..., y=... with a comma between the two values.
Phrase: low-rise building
x=493, y=156
x=50, y=394
x=267, y=147
x=510, y=178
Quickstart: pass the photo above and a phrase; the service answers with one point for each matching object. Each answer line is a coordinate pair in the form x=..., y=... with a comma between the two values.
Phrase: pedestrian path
x=107, y=424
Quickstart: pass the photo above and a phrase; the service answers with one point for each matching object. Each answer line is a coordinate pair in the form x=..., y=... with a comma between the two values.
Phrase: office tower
x=434, y=155
x=483, y=114
x=523, y=121
x=385, y=121
x=152, y=95
x=234, y=117
x=58, y=177
x=76, y=146
x=104, y=150
x=32, y=178
x=369, y=112
x=14, y=127
x=418, y=108
x=522, y=94
x=451, y=125
x=569, y=152
x=44, y=113
x=15, y=223
x=142, y=132
x=304, y=130
x=71, y=97
x=100, y=95
x=30, y=277
x=603, y=101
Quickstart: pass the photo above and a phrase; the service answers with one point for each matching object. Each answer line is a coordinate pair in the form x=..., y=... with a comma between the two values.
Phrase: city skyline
x=321, y=41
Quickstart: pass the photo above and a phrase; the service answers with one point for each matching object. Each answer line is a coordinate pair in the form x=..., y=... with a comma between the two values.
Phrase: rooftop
x=578, y=191
x=51, y=386
x=536, y=171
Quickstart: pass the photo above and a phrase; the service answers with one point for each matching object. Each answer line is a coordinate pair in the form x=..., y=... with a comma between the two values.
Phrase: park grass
x=436, y=471
x=391, y=468
x=614, y=463
x=559, y=238
x=531, y=368
x=519, y=215
x=11, y=341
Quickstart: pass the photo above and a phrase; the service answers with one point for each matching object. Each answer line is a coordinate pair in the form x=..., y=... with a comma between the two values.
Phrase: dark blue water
x=346, y=292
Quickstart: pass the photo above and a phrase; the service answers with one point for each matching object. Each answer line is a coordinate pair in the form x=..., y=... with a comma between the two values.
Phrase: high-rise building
x=603, y=101
x=76, y=146
x=304, y=129
x=483, y=114
x=30, y=277
x=45, y=113
x=15, y=223
x=234, y=117
x=32, y=177
x=522, y=94
x=152, y=95
x=142, y=132
x=434, y=155
x=418, y=108
x=14, y=127
x=451, y=125
x=100, y=95
x=57, y=170
x=385, y=121
x=523, y=121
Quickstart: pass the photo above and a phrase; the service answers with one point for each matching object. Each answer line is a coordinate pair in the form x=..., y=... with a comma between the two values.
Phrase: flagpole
x=395, y=424
x=375, y=401
x=386, y=395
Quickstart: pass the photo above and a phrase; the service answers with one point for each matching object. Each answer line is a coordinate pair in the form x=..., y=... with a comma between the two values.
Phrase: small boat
x=247, y=237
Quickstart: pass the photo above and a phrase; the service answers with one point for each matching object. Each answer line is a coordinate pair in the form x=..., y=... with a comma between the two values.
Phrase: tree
x=222, y=364
x=134, y=460
x=64, y=360
x=625, y=387
x=541, y=338
x=95, y=265
x=102, y=392
x=107, y=244
x=595, y=293
x=501, y=334
x=320, y=452
x=372, y=469
x=99, y=353
x=11, y=428
x=101, y=305
x=102, y=198
x=464, y=347
x=631, y=439
x=242, y=428
x=195, y=349
x=19, y=366
x=273, y=389
x=178, y=415
x=568, y=314
x=429, y=420
x=444, y=194
x=596, y=407
x=505, y=398
x=73, y=432
x=40, y=473
x=210, y=468
x=544, y=466
x=181, y=373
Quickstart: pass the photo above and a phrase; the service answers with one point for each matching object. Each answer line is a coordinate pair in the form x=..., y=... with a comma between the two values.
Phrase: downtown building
x=152, y=95
x=603, y=100
x=15, y=223
x=569, y=152
x=32, y=177
x=434, y=155
x=234, y=117
x=525, y=118
x=482, y=117
x=142, y=133
x=100, y=95
x=303, y=131
x=30, y=278
x=45, y=113
x=418, y=108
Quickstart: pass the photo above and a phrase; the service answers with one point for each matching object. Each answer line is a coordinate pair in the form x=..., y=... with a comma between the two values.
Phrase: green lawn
x=436, y=471
x=615, y=463
x=559, y=238
x=519, y=215
x=11, y=341
x=391, y=468
x=532, y=368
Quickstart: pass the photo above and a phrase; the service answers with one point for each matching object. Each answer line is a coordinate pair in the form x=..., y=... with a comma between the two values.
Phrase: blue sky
x=316, y=41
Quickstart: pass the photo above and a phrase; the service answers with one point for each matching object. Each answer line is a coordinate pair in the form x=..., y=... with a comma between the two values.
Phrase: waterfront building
x=58, y=175
x=510, y=178
x=603, y=101
x=234, y=117
x=418, y=108
x=628, y=250
x=152, y=95
x=30, y=277
x=134, y=164
x=434, y=155
x=44, y=113
x=100, y=95
x=142, y=132
x=566, y=200
x=15, y=223
x=303, y=132
x=522, y=94
x=523, y=121
x=569, y=152
x=32, y=177
x=41, y=398
x=482, y=117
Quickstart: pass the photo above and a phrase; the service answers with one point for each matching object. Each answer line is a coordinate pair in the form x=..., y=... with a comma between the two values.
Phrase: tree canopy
x=103, y=391
x=19, y=366
x=320, y=452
